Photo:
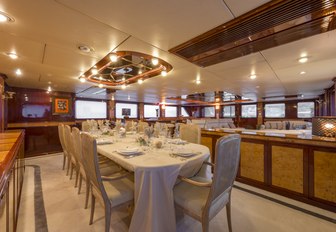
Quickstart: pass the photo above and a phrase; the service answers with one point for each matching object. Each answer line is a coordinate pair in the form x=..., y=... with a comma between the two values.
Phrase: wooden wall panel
x=2, y=104
x=325, y=175
x=207, y=141
x=287, y=168
x=252, y=161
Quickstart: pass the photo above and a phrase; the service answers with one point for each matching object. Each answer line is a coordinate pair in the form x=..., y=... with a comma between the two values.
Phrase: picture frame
x=61, y=105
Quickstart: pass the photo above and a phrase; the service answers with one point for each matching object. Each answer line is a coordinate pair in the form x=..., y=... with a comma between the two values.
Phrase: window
x=305, y=109
x=184, y=113
x=151, y=111
x=209, y=111
x=275, y=110
x=126, y=109
x=35, y=111
x=170, y=111
x=229, y=111
x=90, y=109
x=249, y=111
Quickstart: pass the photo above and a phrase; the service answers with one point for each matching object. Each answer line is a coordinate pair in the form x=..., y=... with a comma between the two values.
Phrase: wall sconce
x=217, y=106
x=324, y=126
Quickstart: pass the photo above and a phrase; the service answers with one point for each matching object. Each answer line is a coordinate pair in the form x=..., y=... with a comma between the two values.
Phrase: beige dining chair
x=106, y=166
x=142, y=126
x=201, y=198
x=128, y=125
x=111, y=191
x=73, y=162
x=61, y=138
x=85, y=126
x=191, y=133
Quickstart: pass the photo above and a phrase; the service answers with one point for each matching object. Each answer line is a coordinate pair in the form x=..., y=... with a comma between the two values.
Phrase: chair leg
x=93, y=202
x=77, y=175
x=80, y=183
x=87, y=194
x=107, y=218
x=64, y=161
x=68, y=165
x=228, y=214
x=71, y=172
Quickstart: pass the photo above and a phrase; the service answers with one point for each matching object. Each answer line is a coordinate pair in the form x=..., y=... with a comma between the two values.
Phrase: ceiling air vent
x=272, y=24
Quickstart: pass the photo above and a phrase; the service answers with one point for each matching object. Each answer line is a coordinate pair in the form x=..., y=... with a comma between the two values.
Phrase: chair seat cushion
x=119, y=191
x=191, y=197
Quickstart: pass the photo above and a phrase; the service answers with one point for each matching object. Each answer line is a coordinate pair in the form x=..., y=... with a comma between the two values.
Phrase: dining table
x=156, y=166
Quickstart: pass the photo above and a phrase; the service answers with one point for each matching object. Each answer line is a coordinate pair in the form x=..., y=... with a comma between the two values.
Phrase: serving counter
x=11, y=177
x=299, y=167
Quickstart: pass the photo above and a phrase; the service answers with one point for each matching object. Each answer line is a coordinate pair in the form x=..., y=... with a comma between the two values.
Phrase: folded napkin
x=102, y=141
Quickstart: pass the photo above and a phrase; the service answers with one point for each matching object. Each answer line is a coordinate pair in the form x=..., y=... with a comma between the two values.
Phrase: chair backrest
x=61, y=136
x=191, y=133
x=68, y=140
x=227, y=157
x=77, y=145
x=90, y=163
x=128, y=125
x=85, y=126
x=142, y=126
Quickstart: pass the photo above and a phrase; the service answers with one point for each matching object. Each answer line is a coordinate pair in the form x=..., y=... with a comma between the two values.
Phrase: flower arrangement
x=142, y=141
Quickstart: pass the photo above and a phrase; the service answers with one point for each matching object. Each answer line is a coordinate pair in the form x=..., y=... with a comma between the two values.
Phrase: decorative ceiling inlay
x=272, y=24
x=126, y=67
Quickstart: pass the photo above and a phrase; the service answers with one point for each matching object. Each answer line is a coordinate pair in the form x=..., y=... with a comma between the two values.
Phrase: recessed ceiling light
x=49, y=89
x=253, y=76
x=12, y=55
x=257, y=86
x=18, y=72
x=140, y=71
x=155, y=61
x=140, y=81
x=302, y=72
x=100, y=85
x=85, y=48
x=303, y=60
x=94, y=71
x=100, y=78
x=198, y=81
x=123, y=79
x=129, y=97
x=82, y=79
x=113, y=57
x=123, y=86
x=163, y=73
x=5, y=18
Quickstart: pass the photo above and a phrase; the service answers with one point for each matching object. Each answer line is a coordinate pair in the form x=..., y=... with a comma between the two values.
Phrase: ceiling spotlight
x=18, y=72
x=129, y=97
x=100, y=78
x=140, y=81
x=198, y=81
x=49, y=89
x=123, y=86
x=155, y=61
x=253, y=76
x=113, y=57
x=112, y=98
x=5, y=18
x=82, y=79
x=217, y=99
x=303, y=72
x=140, y=71
x=85, y=48
x=12, y=55
x=303, y=60
x=123, y=79
x=217, y=106
x=163, y=73
x=94, y=71
x=100, y=85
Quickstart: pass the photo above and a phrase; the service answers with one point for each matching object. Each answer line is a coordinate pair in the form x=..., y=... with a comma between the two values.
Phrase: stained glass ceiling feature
x=126, y=67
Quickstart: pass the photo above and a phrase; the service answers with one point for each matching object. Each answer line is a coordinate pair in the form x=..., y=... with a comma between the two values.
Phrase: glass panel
x=249, y=111
x=171, y=111
x=125, y=109
x=90, y=109
x=151, y=111
x=35, y=111
x=229, y=111
x=184, y=113
x=209, y=111
x=275, y=110
x=305, y=109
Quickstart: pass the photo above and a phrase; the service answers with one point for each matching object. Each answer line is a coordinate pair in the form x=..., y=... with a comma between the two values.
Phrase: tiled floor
x=64, y=208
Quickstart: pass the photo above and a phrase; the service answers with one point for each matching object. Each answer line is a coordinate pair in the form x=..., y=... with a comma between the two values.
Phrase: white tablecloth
x=155, y=176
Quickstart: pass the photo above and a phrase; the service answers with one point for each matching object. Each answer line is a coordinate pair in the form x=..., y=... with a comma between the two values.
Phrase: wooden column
x=2, y=104
x=260, y=108
x=141, y=110
x=333, y=108
x=111, y=109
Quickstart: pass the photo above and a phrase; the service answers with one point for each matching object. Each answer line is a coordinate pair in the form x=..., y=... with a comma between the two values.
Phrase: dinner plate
x=184, y=154
x=178, y=141
x=129, y=151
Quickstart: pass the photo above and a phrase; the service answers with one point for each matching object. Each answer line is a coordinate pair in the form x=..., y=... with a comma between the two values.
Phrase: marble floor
x=50, y=203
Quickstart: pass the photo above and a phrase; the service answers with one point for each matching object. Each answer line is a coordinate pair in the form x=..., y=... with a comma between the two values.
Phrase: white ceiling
x=46, y=34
